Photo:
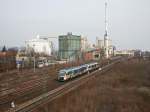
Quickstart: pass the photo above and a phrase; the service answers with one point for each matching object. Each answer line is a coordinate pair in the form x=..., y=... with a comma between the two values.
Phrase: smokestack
x=106, y=33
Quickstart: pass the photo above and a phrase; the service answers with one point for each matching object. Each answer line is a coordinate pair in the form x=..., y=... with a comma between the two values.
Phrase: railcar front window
x=62, y=74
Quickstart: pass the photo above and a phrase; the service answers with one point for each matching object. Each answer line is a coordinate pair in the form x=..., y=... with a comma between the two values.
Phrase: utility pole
x=34, y=57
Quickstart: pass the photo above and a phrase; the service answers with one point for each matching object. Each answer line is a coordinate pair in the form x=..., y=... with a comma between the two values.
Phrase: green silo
x=69, y=46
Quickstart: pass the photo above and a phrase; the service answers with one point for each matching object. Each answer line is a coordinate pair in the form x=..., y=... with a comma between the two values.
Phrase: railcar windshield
x=62, y=73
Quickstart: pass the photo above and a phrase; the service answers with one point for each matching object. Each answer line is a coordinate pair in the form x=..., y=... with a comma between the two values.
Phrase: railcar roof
x=72, y=68
x=77, y=67
x=68, y=69
x=91, y=63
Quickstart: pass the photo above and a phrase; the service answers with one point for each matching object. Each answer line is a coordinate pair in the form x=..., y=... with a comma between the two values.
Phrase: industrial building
x=69, y=47
x=100, y=43
x=124, y=53
x=91, y=54
x=40, y=45
x=105, y=44
x=84, y=44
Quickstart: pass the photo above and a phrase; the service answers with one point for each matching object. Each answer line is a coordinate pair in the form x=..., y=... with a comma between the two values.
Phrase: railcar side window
x=69, y=72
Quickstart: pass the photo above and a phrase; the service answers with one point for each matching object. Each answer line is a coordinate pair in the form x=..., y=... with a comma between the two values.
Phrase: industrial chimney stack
x=106, y=47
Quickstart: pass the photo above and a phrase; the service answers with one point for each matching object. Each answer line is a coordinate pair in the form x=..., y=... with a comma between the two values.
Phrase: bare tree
x=4, y=49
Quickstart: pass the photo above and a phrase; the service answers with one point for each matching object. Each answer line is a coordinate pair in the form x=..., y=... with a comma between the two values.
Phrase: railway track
x=51, y=95
x=30, y=81
x=11, y=83
x=37, y=85
x=25, y=81
x=24, y=92
x=21, y=77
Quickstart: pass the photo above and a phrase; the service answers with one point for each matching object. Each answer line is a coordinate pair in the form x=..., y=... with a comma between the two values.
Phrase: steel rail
x=53, y=94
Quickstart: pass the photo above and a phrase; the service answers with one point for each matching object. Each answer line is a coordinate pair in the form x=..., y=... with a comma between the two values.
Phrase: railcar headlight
x=65, y=77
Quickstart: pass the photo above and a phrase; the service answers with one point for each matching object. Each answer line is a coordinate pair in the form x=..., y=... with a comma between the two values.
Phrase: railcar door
x=70, y=74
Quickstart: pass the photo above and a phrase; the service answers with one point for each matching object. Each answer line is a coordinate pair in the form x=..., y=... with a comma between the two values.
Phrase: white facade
x=84, y=43
x=105, y=44
x=100, y=43
x=40, y=45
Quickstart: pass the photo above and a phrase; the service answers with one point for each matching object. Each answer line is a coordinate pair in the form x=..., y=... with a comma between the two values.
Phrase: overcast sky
x=129, y=20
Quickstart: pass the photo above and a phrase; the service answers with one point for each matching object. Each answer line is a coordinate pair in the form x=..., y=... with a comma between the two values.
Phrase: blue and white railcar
x=76, y=71
x=92, y=66
x=69, y=73
x=65, y=74
x=83, y=69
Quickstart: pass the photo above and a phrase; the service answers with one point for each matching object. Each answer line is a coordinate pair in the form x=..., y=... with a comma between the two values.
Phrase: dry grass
x=30, y=83
x=125, y=88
